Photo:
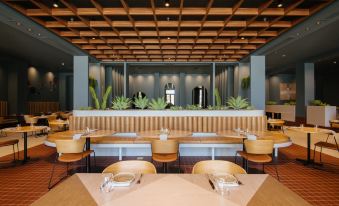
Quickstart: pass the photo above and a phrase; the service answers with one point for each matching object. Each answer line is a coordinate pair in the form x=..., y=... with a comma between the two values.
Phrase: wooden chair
x=165, y=151
x=70, y=151
x=29, y=119
x=133, y=166
x=11, y=143
x=258, y=151
x=332, y=145
x=217, y=166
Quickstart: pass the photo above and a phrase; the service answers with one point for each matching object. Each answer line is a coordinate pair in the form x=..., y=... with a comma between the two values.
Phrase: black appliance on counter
x=199, y=96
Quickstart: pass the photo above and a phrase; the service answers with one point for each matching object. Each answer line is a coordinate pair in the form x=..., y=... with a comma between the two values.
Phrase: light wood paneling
x=3, y=108
x=37, y=107
x=194, y=124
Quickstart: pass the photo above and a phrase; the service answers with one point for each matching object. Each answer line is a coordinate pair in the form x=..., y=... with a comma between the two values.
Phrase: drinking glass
x=222, y=188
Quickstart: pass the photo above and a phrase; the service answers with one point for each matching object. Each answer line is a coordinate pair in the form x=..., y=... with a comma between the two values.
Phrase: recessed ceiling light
x=307, y=28
x=71, y=19
x=298, y=34
x=167, y=3
x=242, y=38
x=93, y=38
x=318, y=22
x=168, y=18
x=169, y=57
x=284, y=55
x=334, y=62
x=168, y=38
x=29, y=29
x=62, y=63
x=265, y=18
x=18, y=24
x=39, y=34
x=280, y=5
x=55, y=5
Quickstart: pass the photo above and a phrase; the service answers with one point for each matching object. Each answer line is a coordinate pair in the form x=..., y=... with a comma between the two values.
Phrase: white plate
x=123, y=178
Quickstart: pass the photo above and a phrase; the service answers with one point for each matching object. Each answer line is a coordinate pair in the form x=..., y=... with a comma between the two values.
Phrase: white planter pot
x=321, y=115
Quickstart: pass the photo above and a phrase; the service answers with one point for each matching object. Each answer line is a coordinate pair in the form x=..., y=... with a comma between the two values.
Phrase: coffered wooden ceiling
x=186, y=30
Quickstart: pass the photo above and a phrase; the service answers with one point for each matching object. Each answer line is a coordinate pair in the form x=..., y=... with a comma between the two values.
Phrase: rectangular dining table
x=170, y=189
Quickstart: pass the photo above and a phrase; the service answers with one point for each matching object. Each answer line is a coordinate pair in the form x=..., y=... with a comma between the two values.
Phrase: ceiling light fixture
x=168, y=38
x=39, y=34
x=318, y=22
x=93, y=38
x=280, y=5
x=18, y=24
x=334, y=62
x=168, y=18
x=242, y=38
x=284, y=55
x=29, y=29
x=167, y=3
x=307, y=28
x=55, y=4
x=62, y=64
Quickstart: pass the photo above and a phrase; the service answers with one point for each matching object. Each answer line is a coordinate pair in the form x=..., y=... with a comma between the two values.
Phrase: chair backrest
x=165, y=147
x=259, y=146
x=51, y=117
x=133, y=166
x=217, y=166
x=70, y=145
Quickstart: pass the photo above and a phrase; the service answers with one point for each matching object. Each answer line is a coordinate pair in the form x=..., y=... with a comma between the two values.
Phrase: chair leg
x=95, y=161
x=179, y=164
x=235, y=158
x=276, y=171
x=321, y=151
x=13, y=153
x=246, y=163
x=50, y=179
x=263, y=168
x=315, y=148
x=17, y=146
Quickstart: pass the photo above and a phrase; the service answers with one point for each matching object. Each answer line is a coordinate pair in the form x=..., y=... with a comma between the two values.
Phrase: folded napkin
x=251, y=137
x=163, y=137
x=77, y=136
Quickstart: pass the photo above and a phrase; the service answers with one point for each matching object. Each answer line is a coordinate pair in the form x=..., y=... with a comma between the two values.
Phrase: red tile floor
x=23, y=184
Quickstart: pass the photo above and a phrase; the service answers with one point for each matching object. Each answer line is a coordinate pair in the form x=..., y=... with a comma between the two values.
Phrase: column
x=305, y=87
x=109, y=82
x=257, y=83
x=212, y=87
x=230, y=81
x=80, y=94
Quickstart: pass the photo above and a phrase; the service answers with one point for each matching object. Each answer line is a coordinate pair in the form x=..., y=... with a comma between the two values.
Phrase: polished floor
x=23, y=184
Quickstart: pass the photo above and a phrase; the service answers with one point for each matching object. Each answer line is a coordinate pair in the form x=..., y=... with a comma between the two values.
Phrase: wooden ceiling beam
x=167, y=12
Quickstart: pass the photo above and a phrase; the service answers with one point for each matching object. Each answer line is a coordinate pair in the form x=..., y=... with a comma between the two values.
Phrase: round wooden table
x=156, y=134
x=309, y=131
x=24, y=130
x=60, y=122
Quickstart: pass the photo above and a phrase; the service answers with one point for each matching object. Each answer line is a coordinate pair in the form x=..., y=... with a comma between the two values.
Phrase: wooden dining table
x=309, y=131
x=156, y=133
x=24, y=131
x=171, y=189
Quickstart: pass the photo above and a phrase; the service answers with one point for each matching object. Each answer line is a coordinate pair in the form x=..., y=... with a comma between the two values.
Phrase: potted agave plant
x=121, y=103
x=141, y=102
x=238, y=103
x=103, y=104
x=157, y=104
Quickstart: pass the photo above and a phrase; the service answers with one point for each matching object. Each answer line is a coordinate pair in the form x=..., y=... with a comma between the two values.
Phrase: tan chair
x=165, y=151
x=217, y=166
x=133, y=166
x=29, y=119
x=70, y=151
x=328, y=144
x=258, y=151
x=11, y=143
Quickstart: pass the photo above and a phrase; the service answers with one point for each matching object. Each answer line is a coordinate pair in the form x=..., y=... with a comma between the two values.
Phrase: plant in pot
x=97, y=104
x=245, y=82
x=158, y=104
x=141, y=102
x=318, y=102
x=121, y=103
x=271, y=102
x=238, y=103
